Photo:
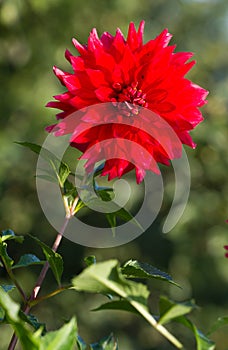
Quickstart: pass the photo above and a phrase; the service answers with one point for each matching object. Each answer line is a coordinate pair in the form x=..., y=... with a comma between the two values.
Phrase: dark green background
x=33, y=37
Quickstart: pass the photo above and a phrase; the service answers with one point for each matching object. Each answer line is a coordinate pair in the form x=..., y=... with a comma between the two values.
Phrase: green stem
x=161, y=329
x=142, y=311
x=47, y=296
x=14, y=280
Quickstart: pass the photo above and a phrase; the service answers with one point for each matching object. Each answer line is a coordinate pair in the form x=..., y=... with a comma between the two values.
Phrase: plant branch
x=40, y=280
x=160, y=328
x=47, y=296
x=14, y=280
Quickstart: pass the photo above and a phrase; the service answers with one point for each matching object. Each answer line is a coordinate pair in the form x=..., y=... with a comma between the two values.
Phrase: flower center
x=131, y=97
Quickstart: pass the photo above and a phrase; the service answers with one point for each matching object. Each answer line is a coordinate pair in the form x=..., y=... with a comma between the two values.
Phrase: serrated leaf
x=32, y=320
x=202, y=342
x=136, y=269
x=170, y=310
x=27, y=260
x=90, y=260
x=221, y=322
x=61, y=169
x=81, y=344
x=107, y=343
x=111, y=218
x=103, y=193
x=55, y=260
x=2, y=315
x=124, y=215
x=10, y=235
x=122, y=305
x=7, y=260
x=8, y=287
x=106, y=278
x=27, y=339
x=62, y=339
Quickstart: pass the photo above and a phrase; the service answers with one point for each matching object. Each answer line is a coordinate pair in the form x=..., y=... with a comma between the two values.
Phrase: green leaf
x=221, y=322
x=103, y=193
x=61, y=169
x=62, y=339
x=8, y=262
x=47, y=177
x=27, y=260
x=90, y=260
x=8, y=287
x=32, y=320
x=170, y=310
x=2, y=315
x=136, y=269
x=107, y=343
x=202, y=342
x=122, y=305
x=111, y=217
x=10, y=235
x=106, y=278
x=79, y=206
x=55, y=260
x=81, y=344
x=27, y=338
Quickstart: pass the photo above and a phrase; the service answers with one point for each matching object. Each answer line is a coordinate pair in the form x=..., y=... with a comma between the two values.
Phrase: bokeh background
x=33, y=37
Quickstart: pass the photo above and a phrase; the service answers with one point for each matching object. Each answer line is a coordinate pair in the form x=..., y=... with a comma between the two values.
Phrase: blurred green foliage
x=33, y=37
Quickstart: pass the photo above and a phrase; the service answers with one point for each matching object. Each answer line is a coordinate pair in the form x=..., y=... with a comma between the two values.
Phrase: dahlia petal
x=115, y=169
x=140, y=174
x=104, y=60
x=58, y=105
x=163, y=39
x=132, y=37
x=96, y=77
x=183, y=70
x=79, y=102
x=140, y=33
x=157, y=95
x=195, y=95
x=94, y=42
x=127, y=64
x=59, y=73
x=50, y=128
x=164, y=107
x=186, y=139
x=71, y=81
x=193, y=115
x=104, y=93
x=78, y=63
x=68, y=55
x=179, y=58
x=118, y=45
x=82, y=49
x=63, y=97
x=107, y=40
x=117, y=74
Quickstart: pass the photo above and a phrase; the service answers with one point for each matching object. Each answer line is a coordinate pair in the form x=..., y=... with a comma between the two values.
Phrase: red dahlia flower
x=226, y=248
x=134, y=79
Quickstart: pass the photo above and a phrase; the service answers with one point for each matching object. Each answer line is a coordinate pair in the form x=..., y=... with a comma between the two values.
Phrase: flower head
x=132, y=77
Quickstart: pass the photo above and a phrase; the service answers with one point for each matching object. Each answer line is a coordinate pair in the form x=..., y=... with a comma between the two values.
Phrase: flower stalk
x=37, y=287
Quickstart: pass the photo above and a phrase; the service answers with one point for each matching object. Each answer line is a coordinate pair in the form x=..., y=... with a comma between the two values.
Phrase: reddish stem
x=40, y=280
